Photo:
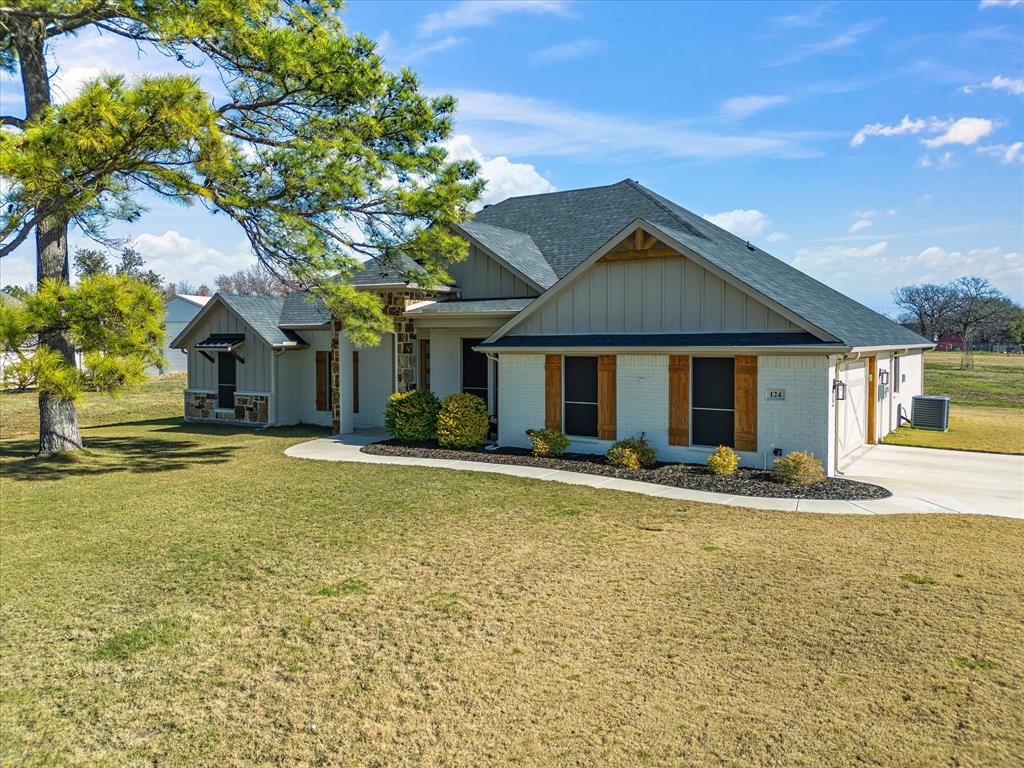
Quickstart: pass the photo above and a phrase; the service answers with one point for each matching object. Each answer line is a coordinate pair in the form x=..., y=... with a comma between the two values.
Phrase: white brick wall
x=521, y=400
x=376, y=381
x=800, y=422
x=912, y=373
x=296, y=382
x=446, y=359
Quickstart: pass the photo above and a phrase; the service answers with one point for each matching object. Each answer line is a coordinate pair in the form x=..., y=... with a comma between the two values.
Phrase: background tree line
x=970, y=307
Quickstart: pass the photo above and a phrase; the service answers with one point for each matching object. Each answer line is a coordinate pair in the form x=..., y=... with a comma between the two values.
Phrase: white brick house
x=606, y=312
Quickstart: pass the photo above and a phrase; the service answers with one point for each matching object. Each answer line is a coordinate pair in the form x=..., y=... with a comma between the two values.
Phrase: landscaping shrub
x=632, y=453
x=412, y=416
x=723, y=461
x=798, y=468
x=548, y=442
x=462, y=422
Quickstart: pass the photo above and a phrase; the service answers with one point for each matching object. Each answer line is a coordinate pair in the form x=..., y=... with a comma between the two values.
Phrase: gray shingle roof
x=568, y=227
x=263, y=313
x=472, y=305
x=517, y=248
x=303, y=309
x=373, y=274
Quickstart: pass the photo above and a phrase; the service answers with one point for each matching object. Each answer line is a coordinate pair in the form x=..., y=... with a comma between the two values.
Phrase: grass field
x=187, y=595
x=987, y=404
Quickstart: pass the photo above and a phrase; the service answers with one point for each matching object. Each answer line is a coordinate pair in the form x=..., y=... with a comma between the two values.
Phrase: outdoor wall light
x=839, y=387
x=883, y=377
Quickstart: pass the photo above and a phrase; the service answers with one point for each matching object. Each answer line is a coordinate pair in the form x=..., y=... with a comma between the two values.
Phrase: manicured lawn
x=987, y=404
x=190, y=596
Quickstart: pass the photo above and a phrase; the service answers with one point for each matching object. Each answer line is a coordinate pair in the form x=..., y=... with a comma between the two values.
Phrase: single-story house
x=179, y=310
x=605, y=312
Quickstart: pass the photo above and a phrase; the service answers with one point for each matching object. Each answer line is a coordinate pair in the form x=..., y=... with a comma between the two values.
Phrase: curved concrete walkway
x=347, y=448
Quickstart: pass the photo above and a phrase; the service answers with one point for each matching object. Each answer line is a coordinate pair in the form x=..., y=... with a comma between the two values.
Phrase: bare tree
x=256, y=280
x=929, y=306
x=977, y=304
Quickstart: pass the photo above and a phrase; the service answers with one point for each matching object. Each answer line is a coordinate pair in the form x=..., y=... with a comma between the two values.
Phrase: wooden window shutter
x=552, y=391
x=745, y=393
x=679, y=400
x=606, y=397
x=322, y=370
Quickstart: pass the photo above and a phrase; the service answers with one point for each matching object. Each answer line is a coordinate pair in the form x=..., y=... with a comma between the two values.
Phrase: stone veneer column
x=395, y=304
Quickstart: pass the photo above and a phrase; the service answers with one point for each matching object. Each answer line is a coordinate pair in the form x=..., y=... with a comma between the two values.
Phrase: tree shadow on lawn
x=161, y=449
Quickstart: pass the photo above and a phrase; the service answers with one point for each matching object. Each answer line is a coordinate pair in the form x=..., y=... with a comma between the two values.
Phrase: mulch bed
x=746, y=482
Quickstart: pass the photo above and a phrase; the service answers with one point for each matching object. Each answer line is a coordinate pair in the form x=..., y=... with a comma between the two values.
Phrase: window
x=713, y=403
x=895, y=373
x=474, y=369
x=580, y=388
x=226, y=370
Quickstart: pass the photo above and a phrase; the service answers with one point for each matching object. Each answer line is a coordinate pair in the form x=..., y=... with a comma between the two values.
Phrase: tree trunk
x=58, y=419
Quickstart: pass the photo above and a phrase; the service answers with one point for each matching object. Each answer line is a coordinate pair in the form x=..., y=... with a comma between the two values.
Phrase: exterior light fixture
x=883, y=377
x=839, y=387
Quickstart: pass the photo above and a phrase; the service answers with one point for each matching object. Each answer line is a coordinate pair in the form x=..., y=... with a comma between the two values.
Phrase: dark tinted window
x=581, y=379
x=712, y=382
x=581, y=396
x=712, y=427
x=474, y=369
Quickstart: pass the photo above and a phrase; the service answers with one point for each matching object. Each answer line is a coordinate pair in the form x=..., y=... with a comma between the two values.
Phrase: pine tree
x=321, y=156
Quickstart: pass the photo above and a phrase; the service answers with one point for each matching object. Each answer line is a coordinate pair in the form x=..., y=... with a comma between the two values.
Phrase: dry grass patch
x=231, y=606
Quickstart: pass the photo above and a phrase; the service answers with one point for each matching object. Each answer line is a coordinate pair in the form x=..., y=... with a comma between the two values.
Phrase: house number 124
x=776, y=394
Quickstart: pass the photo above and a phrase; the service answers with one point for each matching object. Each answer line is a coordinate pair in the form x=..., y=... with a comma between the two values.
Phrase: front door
x=226, y=367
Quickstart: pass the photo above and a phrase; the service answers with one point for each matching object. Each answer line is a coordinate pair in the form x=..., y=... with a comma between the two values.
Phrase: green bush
x=548, y=442
x=798, y=468
x=412, y=416
x=632, y=453
x=463, y=421
x=723, y=461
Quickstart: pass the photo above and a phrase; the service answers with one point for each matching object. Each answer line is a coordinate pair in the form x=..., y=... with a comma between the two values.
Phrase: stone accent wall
x=199, y=405
x=395, y=303
x=252, y=408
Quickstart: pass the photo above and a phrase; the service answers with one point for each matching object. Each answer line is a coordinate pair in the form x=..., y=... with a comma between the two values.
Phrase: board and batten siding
x=658, y=295
x=481, y=277
x=253, y=375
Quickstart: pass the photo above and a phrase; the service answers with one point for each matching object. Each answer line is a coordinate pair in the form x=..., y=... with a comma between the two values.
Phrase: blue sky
x=870, y=144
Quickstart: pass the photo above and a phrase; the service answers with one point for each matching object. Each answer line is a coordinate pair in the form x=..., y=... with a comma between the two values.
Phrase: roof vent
x=488, y=205
x=750, y=247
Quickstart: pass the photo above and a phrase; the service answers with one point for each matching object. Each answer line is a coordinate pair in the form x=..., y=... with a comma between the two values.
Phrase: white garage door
x=853, y=411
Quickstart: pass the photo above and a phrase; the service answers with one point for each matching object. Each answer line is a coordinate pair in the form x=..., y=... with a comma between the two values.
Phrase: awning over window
x=222, y=342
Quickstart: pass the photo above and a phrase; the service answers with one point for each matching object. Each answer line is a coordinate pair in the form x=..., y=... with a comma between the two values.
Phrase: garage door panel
x=853, y=411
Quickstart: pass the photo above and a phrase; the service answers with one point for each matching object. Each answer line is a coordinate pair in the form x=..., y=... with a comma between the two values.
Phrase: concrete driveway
x=950, y=481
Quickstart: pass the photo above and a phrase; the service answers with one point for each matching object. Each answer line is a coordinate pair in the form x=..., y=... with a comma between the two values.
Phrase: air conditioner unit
x=930, y=412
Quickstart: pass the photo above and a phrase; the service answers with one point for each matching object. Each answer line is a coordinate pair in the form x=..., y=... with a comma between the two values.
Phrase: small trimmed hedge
x=723, y=462
x=412, y=416
x=548, y=442
x=798, y=468
x=632, y=453
x=462, y=422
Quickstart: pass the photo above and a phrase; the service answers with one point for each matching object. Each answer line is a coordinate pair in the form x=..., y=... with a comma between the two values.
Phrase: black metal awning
x=222, y=342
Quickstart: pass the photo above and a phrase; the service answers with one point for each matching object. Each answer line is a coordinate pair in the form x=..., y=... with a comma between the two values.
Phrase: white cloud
x=999, y=83
x=1007, y=153
x=471, y=13
x=860, y=224
x=504, y=178
x=873, y=213
x=577, y=49
x=997, y=3
x=926, y=197
x=176, y=257
x=808, y=18
x=844, y=39
x=944, y=161
x=966, y=130
x=879, y=271
x=777, y=237
x=521, y=125
x=744, y=106
x=904, y=126
x=387, y=47
x=748, y=224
